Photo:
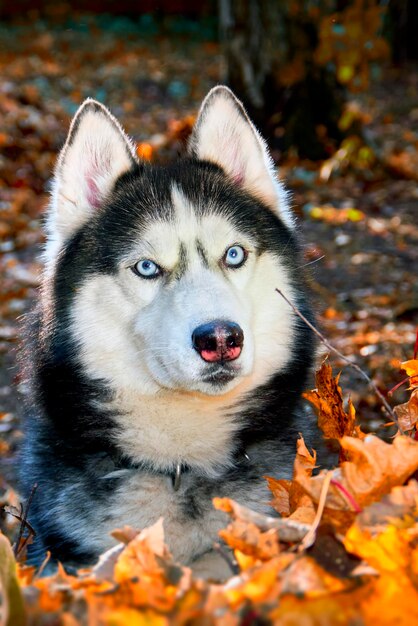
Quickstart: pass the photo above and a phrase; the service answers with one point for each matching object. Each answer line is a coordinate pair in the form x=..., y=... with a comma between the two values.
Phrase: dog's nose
x=218, y=341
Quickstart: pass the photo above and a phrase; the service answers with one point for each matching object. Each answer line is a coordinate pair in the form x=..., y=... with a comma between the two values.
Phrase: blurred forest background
x=333, y=86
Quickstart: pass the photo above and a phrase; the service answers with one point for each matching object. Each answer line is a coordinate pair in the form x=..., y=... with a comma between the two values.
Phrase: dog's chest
x=166, y=429
x=141, y=498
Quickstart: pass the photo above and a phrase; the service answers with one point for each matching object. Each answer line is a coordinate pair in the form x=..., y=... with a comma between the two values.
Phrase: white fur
x=224, y=135
x=96, y=153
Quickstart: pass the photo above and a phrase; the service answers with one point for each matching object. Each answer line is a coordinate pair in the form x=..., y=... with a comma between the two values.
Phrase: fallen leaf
x=134, y=617
x=407, y=413
x=411, y=368
x=289, y=498
x=375, y=468
x=289, y=530
x=250, y=540
x=331, y=610
x=12, y=611
x=146, y=570
x=306, y=577
x=139, y=556
x=327, y=398
x=261, y=584
x=105, y=566
x=125, y=534
x=145, y=151
x=399, y=508
x=54, y=590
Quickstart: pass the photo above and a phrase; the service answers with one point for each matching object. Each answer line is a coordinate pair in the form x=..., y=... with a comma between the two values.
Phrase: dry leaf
x=387, y=552
x=289, y=530
x=12, y=612
x=145, y=566
x=105, y=566
x=289, y=498
x=125, y=534
x=327, y=398
x=399, y=507
x=330, y=610
x=375, y=468
x=250, y=540
x=407, y=413
x=411, y=368
x=259, y=585
x=126, y=616
x=280, y=488
x=306, y=577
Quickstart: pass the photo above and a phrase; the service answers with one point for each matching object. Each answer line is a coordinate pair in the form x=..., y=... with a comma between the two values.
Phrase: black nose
x=218, y=341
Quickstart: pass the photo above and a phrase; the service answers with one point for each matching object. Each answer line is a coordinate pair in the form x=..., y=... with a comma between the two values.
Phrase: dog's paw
x=211, y=566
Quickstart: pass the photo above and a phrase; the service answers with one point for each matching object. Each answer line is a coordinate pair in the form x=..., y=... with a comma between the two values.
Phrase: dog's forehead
x=188, y=228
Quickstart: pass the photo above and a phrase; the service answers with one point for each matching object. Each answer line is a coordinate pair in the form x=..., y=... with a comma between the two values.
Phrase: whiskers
x=311, y=262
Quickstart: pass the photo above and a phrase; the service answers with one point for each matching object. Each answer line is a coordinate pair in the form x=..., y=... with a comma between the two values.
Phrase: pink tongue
x=217, y=355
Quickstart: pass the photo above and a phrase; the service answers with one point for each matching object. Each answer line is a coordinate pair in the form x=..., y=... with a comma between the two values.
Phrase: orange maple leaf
x=327, y=398
x=289, y=498
x=146, y=569
x=411, y=368
x=375, y=467
x=250, y=540
x=407, y=413
x=399, y=507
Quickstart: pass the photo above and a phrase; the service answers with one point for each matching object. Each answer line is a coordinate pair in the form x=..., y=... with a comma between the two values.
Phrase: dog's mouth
x=219, y=375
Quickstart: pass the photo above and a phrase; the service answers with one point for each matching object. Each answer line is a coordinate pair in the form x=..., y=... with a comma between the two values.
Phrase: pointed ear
x=224, y=134
x=96, y=153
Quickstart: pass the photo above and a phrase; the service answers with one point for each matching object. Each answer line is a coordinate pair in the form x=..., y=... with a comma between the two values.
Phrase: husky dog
x=165, y=369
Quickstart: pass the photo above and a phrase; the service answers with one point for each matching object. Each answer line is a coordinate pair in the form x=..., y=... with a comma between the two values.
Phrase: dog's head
x=167, y=276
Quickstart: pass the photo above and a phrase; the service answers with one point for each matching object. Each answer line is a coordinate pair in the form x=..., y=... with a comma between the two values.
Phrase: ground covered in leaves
x=358, y=213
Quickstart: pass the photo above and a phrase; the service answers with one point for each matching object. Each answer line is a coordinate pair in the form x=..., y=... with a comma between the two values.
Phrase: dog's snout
x=218, y=341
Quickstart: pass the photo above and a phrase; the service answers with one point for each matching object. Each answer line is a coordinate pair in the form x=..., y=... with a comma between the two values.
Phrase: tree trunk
x=270, y=66
x=402, y=27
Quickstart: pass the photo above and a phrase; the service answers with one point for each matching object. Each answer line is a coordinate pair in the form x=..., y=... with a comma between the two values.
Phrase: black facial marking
x=201, y=252
x=143, y=195
x=182, y=264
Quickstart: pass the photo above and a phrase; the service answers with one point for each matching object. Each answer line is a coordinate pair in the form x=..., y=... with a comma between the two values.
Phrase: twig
x=310, y=536
x=231, y=562
x=9, y=510
x=393, y=389
x=24, y=524
x=347, y=496
x=43, y=565
x=325, y=341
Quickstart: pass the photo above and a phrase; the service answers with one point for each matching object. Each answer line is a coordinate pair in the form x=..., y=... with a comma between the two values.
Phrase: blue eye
x=147, y=269
x=235, y=256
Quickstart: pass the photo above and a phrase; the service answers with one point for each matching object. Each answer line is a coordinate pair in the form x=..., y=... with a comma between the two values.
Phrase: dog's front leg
x=212, y=566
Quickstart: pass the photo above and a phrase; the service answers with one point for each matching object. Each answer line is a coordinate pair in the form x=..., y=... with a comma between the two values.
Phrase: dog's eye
x=235, y=256
x=146, y=269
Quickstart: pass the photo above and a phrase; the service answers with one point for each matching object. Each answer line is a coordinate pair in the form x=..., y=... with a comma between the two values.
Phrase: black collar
x=125, y=463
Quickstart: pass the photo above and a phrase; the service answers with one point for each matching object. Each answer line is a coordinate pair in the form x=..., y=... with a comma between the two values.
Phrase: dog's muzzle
x=218, y=341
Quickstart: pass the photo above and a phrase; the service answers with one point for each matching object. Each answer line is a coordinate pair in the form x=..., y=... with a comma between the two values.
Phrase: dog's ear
x=224, y=134
x=95, y=154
